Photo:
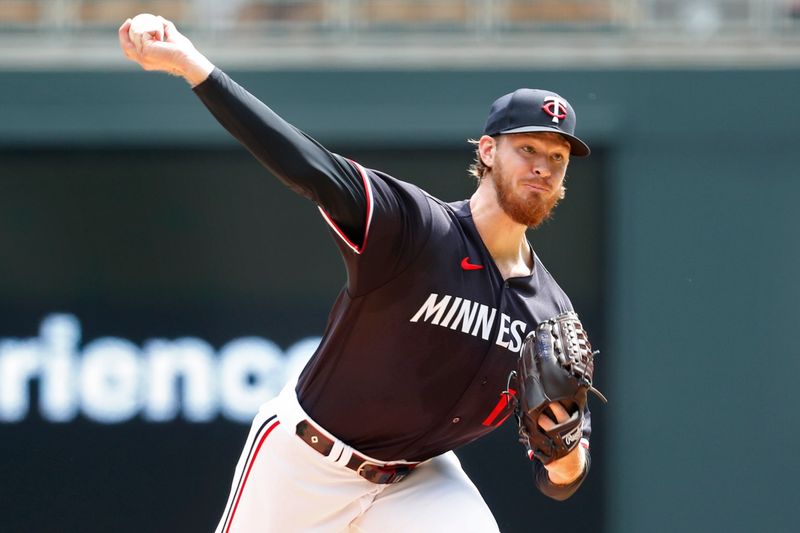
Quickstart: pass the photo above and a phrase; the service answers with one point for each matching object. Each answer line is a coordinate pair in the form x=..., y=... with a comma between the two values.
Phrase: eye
x=527, y=148
x=558, y=157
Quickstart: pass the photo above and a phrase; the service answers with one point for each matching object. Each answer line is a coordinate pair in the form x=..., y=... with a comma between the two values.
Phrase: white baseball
x=146, y=27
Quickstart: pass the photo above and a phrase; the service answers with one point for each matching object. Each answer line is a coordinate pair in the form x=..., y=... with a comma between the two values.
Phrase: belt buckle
x=383, y=475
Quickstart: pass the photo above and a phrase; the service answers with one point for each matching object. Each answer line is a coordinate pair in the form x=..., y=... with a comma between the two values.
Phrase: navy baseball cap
x=529, y=110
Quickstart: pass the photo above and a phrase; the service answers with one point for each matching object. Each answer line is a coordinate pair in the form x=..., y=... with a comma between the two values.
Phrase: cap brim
x=579, y=148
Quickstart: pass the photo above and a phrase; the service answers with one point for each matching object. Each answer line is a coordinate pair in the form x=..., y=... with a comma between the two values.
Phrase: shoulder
x=389, y=193
x=384, y=182
x=548, y=285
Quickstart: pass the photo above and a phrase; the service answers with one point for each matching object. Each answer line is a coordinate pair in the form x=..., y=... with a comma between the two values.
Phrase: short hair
x=477, y=169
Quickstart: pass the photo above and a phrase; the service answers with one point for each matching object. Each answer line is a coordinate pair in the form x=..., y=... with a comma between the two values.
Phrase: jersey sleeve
x=359, y=204
x=399, y=224
x=300, y=162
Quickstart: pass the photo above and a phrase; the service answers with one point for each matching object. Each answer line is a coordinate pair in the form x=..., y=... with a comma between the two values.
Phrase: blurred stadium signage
x=111, y=380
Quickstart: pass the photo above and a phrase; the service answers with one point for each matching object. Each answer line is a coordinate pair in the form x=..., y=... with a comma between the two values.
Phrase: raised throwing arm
x=301, y=163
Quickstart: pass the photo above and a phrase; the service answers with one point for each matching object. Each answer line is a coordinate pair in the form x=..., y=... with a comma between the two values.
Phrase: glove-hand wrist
x=569, y=468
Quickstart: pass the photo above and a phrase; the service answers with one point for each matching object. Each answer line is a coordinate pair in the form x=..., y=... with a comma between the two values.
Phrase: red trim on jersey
x=368, y=189
x=500, y=423
x=247, y=473
x=502, y=403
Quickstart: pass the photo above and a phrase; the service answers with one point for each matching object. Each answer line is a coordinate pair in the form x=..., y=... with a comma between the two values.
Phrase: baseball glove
x=556, y=365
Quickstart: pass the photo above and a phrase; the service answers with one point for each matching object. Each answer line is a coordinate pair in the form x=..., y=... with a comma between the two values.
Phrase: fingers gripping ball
x=155, y=44
x=556, y=365
x=146, y=27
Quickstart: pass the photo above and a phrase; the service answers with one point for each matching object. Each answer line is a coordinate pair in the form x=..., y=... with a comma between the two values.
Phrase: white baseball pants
x=282, y=485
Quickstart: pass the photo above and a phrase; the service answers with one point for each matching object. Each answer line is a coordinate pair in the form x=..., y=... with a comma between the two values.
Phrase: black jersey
x=420, y=343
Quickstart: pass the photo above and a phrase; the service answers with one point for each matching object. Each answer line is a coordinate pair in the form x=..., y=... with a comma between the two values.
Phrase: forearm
x=300, y=162
x=296, y=159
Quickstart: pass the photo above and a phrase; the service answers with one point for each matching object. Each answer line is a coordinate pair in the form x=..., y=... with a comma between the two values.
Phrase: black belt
x=374, y=472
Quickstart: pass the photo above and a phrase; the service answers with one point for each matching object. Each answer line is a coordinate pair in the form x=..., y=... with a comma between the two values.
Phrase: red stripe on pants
x=247, y=473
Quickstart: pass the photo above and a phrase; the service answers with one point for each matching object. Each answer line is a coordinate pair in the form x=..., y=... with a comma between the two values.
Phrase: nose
x=541, y=168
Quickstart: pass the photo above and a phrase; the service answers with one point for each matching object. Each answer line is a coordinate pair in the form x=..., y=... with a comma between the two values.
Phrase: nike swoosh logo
x=466, y=265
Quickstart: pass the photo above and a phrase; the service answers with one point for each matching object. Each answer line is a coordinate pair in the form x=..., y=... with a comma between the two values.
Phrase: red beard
x=529, y=209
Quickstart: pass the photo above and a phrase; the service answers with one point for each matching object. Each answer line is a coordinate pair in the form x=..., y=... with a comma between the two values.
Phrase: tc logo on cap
x=555, y=107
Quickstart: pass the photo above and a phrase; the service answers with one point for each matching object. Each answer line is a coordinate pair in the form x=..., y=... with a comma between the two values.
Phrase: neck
x=504, y=238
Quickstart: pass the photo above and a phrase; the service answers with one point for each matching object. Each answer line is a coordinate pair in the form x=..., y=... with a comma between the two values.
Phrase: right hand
x=156, y=44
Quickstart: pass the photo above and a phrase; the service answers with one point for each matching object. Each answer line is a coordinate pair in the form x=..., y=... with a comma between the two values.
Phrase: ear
x=487, y=147
x=563, y=192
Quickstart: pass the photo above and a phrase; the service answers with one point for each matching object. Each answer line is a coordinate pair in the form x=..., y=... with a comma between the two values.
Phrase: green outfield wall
x=679, y=242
